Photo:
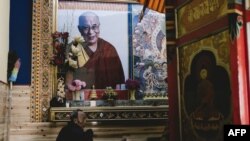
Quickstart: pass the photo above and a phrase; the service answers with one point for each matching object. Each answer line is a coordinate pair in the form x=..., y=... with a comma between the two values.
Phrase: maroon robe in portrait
x=103, y=68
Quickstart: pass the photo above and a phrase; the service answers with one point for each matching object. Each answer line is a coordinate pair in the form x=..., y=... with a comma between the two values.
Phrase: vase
x=111, y=102
x=132, y=94
x=76, y=95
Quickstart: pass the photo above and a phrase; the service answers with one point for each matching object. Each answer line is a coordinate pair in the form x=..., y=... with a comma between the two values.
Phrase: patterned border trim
x=35, y=62
x=91, y=6
x=113, y=113
x=41, y=75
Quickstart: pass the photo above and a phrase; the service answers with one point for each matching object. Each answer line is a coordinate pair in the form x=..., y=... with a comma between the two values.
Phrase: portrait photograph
x=113, y=24
x=140, y=46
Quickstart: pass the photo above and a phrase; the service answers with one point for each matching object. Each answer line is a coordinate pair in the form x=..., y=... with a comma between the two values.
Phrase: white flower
x=75, y=49
x=79, y=39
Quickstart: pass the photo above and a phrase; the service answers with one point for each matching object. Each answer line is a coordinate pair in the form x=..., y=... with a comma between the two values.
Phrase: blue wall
x=20, y=37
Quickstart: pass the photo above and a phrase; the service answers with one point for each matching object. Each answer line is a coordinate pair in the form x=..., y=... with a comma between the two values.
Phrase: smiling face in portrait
x=89, y=27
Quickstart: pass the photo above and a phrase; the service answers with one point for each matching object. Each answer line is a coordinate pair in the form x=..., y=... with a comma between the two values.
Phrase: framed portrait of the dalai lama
x=126, y=48
x=132, y=49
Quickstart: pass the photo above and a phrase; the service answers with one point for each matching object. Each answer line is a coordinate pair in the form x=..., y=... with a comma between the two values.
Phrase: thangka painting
x=205, y=92
x=149, y=52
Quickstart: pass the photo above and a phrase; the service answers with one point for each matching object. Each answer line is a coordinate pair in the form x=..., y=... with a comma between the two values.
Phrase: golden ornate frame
x=43, y=74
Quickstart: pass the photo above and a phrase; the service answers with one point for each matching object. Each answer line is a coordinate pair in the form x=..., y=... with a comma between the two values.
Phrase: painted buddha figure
x=206, y=119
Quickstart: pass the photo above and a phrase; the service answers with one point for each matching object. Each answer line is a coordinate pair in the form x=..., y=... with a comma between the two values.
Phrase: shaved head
x=84, y=18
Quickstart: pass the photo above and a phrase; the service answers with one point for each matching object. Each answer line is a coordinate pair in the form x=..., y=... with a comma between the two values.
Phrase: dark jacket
x=73, y=132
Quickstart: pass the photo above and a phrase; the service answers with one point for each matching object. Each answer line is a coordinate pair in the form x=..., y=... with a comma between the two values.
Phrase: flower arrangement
x=132, y=84
x=60, y=40
x=109, y=94
x=76, y=85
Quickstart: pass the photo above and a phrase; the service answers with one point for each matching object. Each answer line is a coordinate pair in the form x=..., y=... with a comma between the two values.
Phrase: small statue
x=93, y=94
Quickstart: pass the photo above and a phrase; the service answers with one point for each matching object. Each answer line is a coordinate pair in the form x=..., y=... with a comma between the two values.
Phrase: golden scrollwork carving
x=41, y=75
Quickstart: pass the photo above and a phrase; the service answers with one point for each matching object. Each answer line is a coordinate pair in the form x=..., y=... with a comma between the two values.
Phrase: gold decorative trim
x=35, y=53
x=92, y=6
x=189, y=18
x=112, y=113
x=41, y=73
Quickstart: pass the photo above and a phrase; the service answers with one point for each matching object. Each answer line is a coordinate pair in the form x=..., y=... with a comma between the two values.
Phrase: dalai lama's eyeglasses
x=86, y=29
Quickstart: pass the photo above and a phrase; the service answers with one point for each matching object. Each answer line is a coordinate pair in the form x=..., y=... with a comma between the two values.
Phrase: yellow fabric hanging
x=157, y=5
x=82, y=57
